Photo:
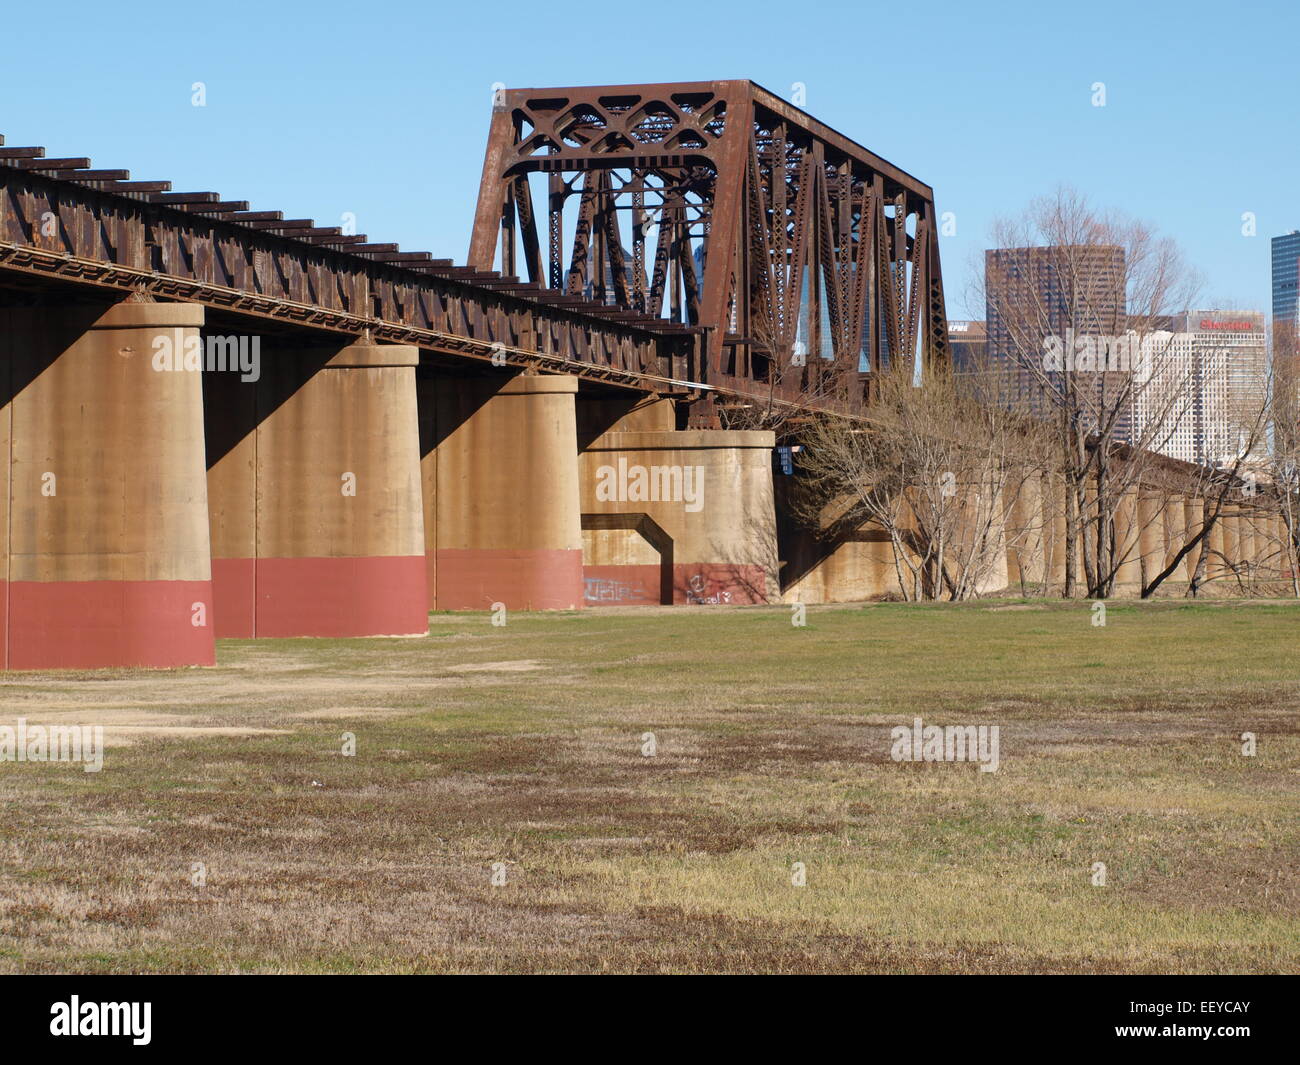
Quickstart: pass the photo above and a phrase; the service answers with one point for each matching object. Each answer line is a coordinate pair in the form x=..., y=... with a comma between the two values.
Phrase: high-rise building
x=1208, y=385
x=1286, y=278
x=1036, y=293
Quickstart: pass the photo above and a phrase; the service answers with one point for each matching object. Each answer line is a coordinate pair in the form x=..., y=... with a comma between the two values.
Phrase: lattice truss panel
x=809, y=259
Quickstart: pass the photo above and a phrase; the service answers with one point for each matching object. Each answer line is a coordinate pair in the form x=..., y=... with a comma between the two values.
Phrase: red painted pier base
x=524, y=580
x=93, y=624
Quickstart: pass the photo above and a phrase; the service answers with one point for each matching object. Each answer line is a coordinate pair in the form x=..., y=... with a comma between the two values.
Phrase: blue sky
x=323, y=108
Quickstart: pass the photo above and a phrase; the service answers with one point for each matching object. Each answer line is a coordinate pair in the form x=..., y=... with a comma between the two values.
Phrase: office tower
x=1286, y=276
x=1208, y=386
x=1034, y=294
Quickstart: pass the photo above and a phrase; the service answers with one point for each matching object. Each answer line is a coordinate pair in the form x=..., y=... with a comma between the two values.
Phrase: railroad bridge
x=222, y=422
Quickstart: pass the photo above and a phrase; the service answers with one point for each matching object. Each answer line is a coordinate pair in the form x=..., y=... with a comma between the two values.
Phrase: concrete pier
x=1026, y=557
x=104, y=516
x=148, y=505
x=1151, y=536
x=500, y=473
x=851, y=570
x=1127, y=550
x=1174, y=526
x=1056, y=529
x=1215, y=548
x=317, y=519
x=1232, y=521
x=1194, y=522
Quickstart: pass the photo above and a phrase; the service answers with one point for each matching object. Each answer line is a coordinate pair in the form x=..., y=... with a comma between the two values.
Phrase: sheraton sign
x=1239, y=325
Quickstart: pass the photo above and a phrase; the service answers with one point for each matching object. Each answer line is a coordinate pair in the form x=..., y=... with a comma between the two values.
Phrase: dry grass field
x=522, y=745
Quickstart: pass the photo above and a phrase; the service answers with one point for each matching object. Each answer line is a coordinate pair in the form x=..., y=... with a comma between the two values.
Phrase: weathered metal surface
x=786, y=260
x=808, y=260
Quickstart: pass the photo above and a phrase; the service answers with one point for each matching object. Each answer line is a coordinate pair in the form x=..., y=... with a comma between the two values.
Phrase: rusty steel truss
x=809, y=261
x=720, y=243
x=64, y=224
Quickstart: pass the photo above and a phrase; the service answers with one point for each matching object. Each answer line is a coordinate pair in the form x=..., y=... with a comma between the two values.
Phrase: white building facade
x=1207, y=389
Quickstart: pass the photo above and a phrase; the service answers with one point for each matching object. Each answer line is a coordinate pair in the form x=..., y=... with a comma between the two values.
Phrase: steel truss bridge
x=703, y=240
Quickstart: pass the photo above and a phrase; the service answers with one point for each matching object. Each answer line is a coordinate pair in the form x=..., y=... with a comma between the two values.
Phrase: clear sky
x=382, y=110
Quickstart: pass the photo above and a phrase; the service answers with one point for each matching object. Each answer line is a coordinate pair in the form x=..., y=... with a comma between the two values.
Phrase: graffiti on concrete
x=697, y=592
x=606, y=590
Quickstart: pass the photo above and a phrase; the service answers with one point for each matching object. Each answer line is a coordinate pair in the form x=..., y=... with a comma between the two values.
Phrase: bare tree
x=1282, y=473
x=1079, y=304
x=934, y=467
